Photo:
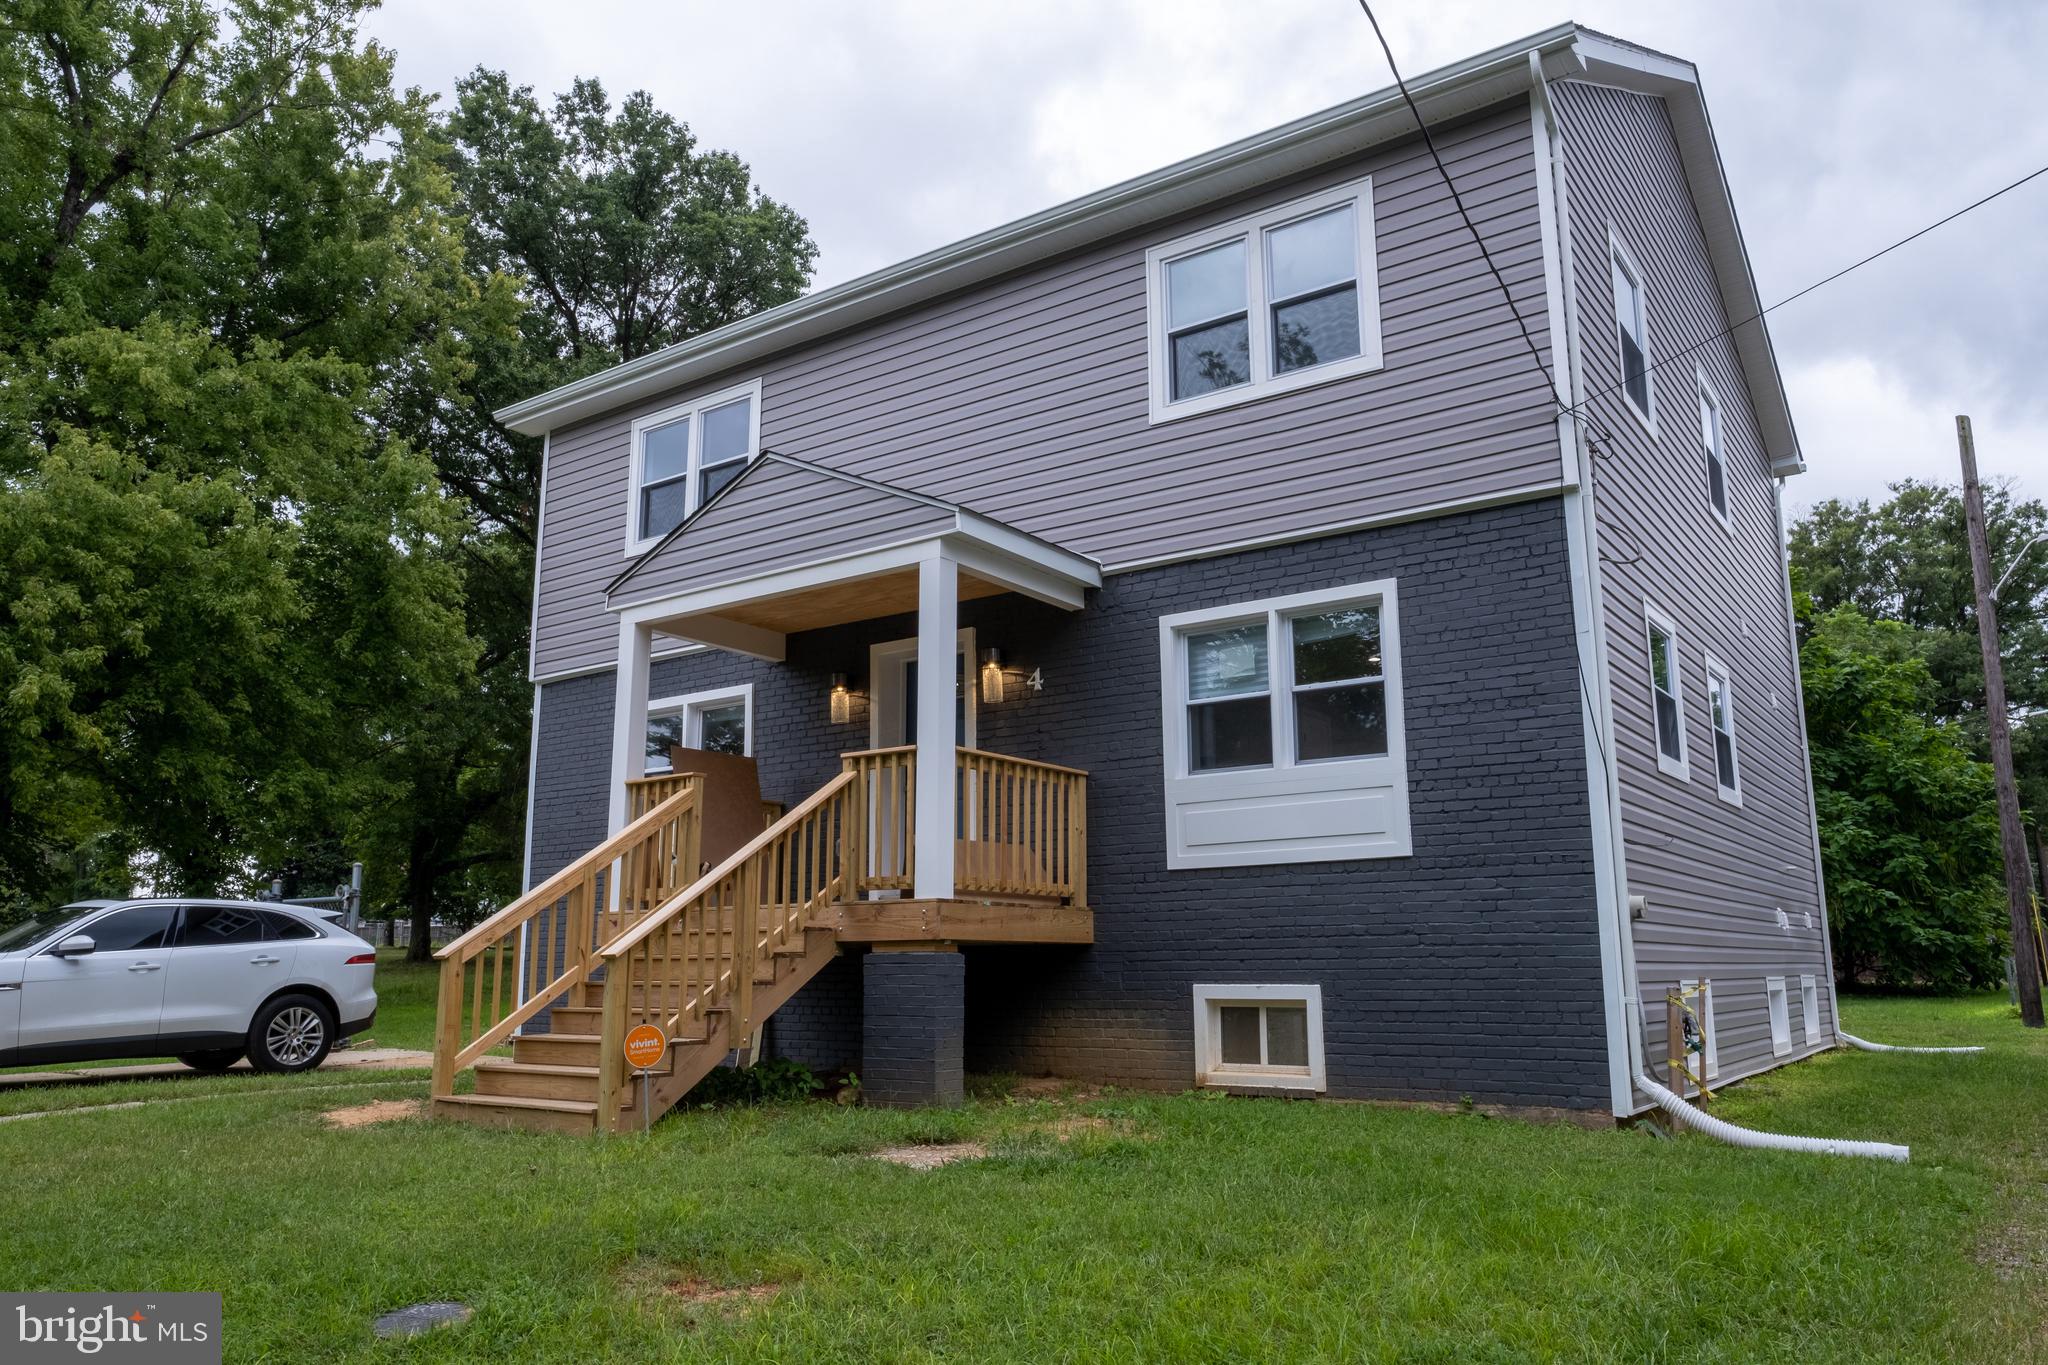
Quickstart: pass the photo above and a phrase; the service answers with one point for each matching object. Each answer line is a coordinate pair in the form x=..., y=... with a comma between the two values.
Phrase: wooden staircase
x=708, y=959
x=551, y=1082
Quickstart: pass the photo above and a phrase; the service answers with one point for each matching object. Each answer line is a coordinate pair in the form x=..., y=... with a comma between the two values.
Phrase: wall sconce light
x=842, y=700
x=992, y=675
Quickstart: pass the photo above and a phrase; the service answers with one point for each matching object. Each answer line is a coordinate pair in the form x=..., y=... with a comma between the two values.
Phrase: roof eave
x=1332, y=134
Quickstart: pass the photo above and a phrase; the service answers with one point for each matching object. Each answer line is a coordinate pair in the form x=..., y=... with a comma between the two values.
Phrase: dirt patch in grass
x=689, y=1297
x=1052, y=1088
x=693, y=1290
x=929, y=1156
x=377, y=1111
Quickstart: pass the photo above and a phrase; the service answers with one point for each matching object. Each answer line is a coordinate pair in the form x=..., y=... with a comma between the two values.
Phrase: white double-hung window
x=1667, y=695
x=1632, y=331
x=1721, y=715
x=1711, y=439
x=719, y=721
x=1282, y=299
x=683, y=455
x=1283, y=730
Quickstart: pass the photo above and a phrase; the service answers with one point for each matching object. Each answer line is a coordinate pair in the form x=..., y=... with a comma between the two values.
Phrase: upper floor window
x=1283, y=730
x=1276, y=301
x=683, y=455
x=1666, y=695
x=1711, y=441
x=1632, y=330
x=1721, y=715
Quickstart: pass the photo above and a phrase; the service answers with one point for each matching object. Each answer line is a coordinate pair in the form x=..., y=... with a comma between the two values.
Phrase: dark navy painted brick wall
x=1470, y=968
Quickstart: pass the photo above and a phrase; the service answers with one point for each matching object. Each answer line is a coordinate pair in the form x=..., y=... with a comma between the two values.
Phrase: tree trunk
x=419, y=897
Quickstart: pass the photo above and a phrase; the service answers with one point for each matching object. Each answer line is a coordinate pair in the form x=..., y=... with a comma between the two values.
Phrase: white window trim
x=1209, y=1069
x=1285, y=781
x=1716, y=669
x=692, y=706
x=1707, y=1022
x=1252, y=228
x=1781, y=1015
x=639, y=544
x=1617, y=249
x=1710, y=396
x=1809, y=1008
x=1680, y=767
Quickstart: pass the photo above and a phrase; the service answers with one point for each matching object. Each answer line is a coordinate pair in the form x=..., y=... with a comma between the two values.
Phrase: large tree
x=228, y=274
x=1907, y=560
x=1908, y=824
x=621, y=236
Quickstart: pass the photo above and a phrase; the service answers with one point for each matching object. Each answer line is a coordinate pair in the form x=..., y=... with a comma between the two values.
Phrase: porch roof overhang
x=792, y=546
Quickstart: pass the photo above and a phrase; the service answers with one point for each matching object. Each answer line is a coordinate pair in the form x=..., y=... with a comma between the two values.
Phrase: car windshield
x=41, y=925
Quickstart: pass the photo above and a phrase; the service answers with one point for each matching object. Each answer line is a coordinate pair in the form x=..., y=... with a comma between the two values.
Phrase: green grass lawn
x=1116, y=1227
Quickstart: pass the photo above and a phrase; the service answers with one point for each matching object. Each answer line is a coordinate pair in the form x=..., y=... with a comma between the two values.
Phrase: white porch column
x=629, y=716
x=938, y=626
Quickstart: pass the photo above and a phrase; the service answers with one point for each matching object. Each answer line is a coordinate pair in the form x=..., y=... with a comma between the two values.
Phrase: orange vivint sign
x=644, y=1047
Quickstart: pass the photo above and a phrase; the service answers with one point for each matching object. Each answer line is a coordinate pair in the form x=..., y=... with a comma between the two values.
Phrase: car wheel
x=220, y=1059
x=291, y=1033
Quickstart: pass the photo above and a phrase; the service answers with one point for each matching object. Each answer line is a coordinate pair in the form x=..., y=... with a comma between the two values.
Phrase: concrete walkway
x=348, y=1059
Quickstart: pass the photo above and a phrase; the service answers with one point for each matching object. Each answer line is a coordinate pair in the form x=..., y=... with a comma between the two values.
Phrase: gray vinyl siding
x=1715, y=874
x=776, y=516
x=1026, y=399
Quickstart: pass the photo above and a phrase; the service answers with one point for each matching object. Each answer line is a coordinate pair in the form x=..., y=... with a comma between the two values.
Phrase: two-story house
x=1204, y=633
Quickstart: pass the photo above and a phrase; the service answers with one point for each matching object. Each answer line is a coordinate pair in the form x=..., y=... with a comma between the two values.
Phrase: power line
x=1535, y=354
x=1578, y=409
x=1858, y=265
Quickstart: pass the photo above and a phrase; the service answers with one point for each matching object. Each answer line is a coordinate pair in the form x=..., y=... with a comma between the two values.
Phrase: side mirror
x=78, y=945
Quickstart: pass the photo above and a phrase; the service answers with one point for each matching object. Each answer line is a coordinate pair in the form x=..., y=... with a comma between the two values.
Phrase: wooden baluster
x=497, y=979
x=476, y=999
x=1077, y=843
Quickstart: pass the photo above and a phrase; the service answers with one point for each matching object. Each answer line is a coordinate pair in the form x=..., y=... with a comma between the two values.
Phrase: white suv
x=206, y=981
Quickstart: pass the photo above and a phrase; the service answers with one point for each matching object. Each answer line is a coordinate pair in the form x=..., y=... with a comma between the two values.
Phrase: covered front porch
x=953, y=831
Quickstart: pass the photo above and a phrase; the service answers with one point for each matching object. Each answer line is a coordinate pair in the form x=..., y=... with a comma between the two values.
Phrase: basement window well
x=1259, y=1036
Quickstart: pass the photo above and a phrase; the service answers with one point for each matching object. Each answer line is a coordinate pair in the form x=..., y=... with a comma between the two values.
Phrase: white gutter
x=1735, y=1136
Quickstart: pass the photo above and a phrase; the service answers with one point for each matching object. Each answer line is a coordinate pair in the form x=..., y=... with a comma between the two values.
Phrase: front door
x=113, y=994
x=893, y=720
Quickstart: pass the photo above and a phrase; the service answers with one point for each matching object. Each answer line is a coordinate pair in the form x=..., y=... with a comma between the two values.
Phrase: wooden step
x=549, y=1050
x=511, y=1111
x=576, y=1021
x=535, y=1080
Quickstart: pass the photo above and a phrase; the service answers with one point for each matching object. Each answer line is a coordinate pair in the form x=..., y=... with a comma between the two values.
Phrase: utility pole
x=2013, y=839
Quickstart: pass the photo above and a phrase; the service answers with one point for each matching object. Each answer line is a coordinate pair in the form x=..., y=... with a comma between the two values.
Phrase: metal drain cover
x=420, y=1317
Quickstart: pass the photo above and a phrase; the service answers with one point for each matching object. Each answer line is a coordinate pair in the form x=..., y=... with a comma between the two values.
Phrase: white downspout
x=1706, y=1123
x=1583, y=534
x=1853, y=1041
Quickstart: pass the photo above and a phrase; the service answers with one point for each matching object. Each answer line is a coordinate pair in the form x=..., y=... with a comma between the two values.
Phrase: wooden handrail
x=1021, y=762
x=698, y=951
x=552, y=889
x=625, y=942
x=543, y=943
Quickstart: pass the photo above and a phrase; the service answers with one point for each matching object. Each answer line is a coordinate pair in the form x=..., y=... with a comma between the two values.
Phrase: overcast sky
x=897, y=126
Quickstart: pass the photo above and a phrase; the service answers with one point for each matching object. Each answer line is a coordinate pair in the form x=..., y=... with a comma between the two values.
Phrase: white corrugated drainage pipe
x=1749, y=1137
x=1853, y=1041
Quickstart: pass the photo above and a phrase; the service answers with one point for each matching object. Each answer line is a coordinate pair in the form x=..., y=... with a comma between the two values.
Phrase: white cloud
x=897, y=126
x=1862, y=427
